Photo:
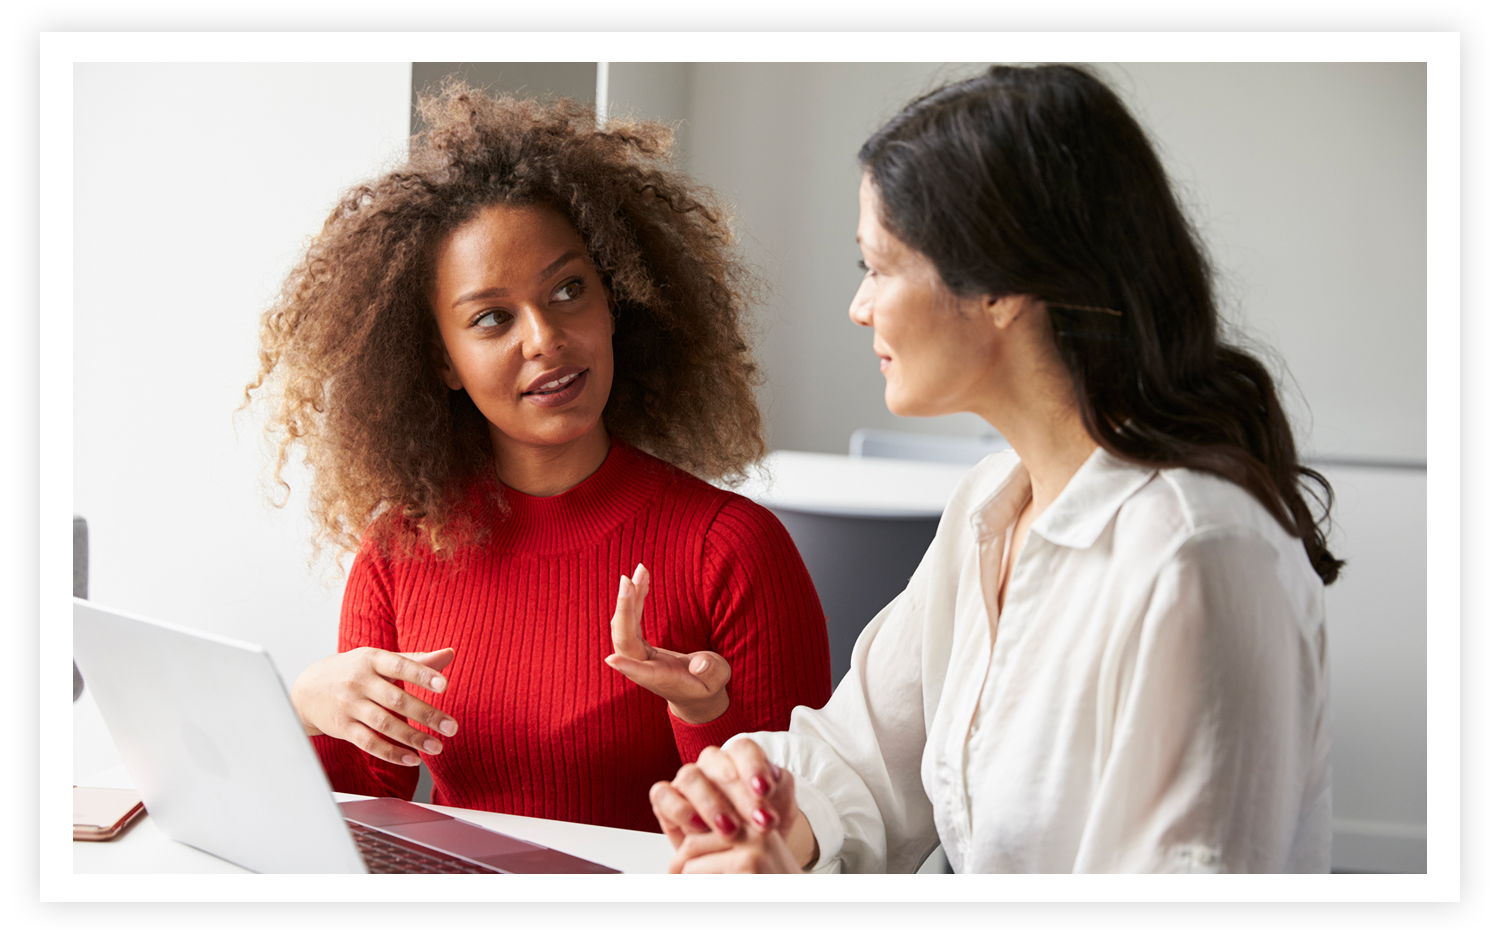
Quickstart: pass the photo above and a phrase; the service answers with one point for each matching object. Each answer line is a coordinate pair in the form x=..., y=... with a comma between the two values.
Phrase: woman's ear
x=1003, y=311
x=446, y=370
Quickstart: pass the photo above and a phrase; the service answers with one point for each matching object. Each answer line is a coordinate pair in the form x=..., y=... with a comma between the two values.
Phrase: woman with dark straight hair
x=1112, y=657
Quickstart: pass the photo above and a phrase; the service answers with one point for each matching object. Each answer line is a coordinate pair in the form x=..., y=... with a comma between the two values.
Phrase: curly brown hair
x=353, y=347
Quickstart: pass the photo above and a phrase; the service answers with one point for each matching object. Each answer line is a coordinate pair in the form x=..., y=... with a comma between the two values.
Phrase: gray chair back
x=858, y=565
x=895, y=444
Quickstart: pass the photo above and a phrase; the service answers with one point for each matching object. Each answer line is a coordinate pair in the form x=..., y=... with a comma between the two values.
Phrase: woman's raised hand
x=734, y=811
x=693, y=684
x=354, y=696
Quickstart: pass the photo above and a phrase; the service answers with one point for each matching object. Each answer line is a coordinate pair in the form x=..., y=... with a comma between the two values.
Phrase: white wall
x=1309, y=182
x=1377, y=656
x=195, y=185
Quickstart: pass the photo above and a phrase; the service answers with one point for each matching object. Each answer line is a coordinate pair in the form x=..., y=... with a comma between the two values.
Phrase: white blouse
x=1154, y=696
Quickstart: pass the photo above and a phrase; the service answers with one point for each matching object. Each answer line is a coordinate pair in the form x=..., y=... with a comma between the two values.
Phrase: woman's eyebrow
x=562, y=260
x=490, y=293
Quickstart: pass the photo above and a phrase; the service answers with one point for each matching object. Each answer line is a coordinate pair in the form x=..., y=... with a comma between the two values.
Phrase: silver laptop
x=208, y=734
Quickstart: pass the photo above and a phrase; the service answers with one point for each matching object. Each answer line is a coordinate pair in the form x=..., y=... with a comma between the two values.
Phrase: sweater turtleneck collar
x=619, y=488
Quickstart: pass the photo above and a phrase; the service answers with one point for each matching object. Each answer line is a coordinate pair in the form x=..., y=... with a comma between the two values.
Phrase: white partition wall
x=195, y=185
x=1377, y=648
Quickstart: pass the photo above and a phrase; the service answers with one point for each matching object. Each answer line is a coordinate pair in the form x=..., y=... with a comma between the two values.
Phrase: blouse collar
x=1092, y=497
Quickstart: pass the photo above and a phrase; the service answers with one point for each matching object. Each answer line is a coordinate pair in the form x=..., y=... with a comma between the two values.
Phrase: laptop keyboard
x=389, y=855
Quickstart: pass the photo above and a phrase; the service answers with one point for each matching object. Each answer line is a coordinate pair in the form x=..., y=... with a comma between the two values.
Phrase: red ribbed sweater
x=546, y=729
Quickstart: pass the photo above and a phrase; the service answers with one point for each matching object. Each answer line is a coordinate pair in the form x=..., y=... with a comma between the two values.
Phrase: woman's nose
x=861, y=307
x=540, y=335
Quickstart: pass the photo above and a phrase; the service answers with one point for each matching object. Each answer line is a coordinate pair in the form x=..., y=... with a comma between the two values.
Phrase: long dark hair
x=1037, y=181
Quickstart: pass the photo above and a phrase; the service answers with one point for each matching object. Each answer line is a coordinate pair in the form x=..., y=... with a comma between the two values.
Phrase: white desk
x=144, y=848
x=839, y=485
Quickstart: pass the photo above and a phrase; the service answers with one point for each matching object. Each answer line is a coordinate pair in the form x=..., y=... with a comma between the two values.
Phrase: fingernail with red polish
x=725, y=825
x=698, y=824
x=758, y=785
x=762, y=818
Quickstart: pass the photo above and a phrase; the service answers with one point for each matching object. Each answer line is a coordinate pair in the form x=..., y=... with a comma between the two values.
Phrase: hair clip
x=1053, y=303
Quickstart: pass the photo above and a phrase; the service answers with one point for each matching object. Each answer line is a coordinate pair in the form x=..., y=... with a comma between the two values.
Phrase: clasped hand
x=752, y=806
x=693, y=684
x=356, y=696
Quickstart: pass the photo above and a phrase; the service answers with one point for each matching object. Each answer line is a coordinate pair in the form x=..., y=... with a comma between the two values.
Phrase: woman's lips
x=558, y=390
x=552, y=380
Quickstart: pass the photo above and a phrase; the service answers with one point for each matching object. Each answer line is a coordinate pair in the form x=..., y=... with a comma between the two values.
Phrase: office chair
x=894, y=444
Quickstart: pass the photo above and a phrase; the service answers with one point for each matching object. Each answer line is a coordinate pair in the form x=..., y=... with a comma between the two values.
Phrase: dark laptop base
x=446, y=834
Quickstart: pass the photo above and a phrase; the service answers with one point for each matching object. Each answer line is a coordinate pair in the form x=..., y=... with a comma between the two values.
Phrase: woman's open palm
x=693, y=684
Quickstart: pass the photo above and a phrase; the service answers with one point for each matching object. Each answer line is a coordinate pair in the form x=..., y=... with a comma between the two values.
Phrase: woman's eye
x=571, y=290
x=492, y=319
x=863, y=267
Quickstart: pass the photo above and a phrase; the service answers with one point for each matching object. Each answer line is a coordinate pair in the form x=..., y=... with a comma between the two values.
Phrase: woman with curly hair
x=505, y=362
